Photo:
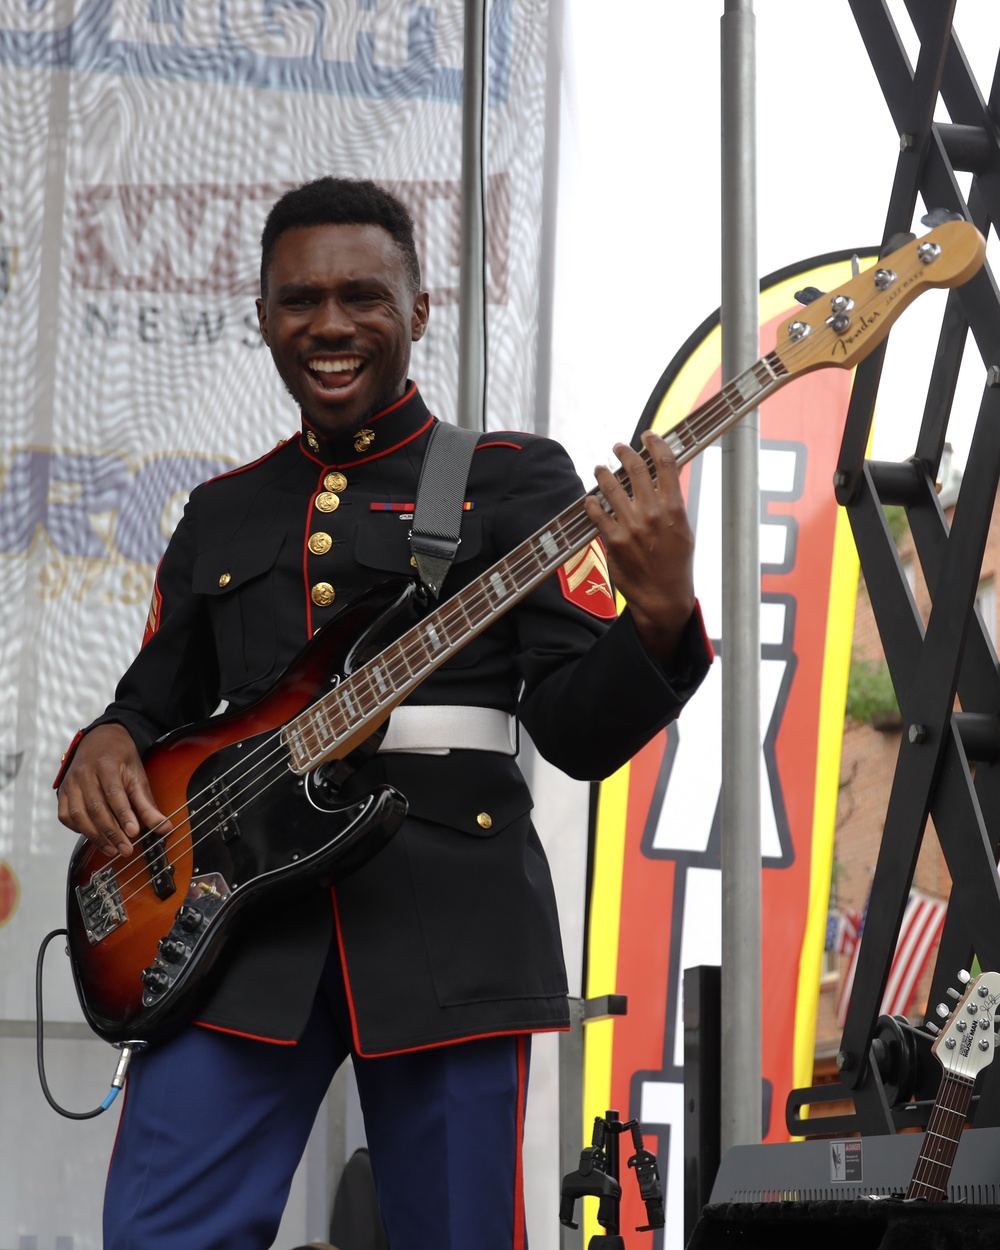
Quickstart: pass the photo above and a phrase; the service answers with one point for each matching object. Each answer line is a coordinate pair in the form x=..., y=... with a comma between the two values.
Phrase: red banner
x=655, y=905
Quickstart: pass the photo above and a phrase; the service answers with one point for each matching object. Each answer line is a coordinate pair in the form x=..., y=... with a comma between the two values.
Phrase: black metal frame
x=947, y=761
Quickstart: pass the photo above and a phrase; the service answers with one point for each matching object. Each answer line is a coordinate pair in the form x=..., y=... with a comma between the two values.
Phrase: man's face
x=339, y=318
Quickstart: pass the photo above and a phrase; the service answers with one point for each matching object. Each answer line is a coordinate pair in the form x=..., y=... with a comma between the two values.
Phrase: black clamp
x=648, y=1175
x=591, y=1180
x=597, y=1177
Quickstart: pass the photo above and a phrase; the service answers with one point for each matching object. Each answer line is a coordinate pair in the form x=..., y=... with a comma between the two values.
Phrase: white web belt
x=436, y=730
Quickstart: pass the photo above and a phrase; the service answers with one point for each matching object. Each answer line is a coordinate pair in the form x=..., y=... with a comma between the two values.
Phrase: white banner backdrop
x=141, y=146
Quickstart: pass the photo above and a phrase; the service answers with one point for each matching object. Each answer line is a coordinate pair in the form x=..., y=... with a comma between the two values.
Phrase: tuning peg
x=964, y=977
x=808, y=294
x=943, y=1010
x=932, y=1028
x=938, y=216
x=952, y=992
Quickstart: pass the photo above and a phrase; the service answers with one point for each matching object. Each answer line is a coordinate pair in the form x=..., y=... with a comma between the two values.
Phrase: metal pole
x=741, y=884
x=471, y=414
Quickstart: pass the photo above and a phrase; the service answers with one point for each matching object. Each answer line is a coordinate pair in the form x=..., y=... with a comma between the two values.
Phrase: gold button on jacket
x=320, y=543
x=323, y=594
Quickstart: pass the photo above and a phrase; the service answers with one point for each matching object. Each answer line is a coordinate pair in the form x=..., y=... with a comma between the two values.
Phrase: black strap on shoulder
x=437, y=517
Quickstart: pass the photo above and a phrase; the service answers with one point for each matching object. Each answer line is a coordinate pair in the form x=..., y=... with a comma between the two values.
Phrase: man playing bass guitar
x=434, y=962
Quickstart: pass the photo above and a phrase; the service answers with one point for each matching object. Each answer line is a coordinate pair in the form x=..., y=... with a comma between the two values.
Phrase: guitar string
x=958, y=1086
x=577, y=526
x=700, y=422
x=790, y=354
x=958, y=1082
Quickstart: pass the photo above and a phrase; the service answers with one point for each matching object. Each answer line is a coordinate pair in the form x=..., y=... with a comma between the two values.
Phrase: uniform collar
x=381, y=434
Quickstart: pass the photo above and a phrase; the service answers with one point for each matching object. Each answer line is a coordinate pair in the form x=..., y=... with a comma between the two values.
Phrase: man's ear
x=418, y=318
x=262, y=320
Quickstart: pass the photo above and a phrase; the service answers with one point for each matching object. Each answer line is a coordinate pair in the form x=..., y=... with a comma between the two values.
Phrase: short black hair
x=340, y=202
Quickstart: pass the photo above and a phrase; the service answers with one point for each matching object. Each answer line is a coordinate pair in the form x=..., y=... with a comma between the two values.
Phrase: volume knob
x=173, y=950
x=155, y=979
x=190, y=918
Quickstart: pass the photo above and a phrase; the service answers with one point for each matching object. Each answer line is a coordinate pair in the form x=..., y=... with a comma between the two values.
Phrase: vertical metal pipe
x=741, y=882
x=471, y=414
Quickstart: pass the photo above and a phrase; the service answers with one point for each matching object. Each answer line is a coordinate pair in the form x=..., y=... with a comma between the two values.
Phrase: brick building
x=870, y=747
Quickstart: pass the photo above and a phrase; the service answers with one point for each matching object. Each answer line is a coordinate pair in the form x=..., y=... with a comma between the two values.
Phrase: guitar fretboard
x=341, y=714
x=944, y=1129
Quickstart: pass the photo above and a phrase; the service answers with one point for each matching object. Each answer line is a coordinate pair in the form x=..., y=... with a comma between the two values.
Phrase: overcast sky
x=639, y=214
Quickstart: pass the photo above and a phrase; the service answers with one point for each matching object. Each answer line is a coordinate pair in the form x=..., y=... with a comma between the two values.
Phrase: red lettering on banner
x=10, y=892
x=204, y=238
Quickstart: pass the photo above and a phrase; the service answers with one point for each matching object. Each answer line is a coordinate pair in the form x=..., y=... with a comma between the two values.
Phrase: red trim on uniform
x=155, y=613
x=253, y=1037
x=305, y=560
x=67, y=757
x=516, y=446
x=522, y=1078
x=350, y=464
x=409, y=1050
x=343, y=967
x=243, y=468
x=377, y=417
x=704, y=632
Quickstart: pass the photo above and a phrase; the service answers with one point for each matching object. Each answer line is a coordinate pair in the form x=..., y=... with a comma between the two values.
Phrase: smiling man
x=433, y=963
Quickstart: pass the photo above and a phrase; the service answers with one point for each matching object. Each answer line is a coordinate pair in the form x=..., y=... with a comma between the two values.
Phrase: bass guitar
x=963, y=1048
x=252, y=796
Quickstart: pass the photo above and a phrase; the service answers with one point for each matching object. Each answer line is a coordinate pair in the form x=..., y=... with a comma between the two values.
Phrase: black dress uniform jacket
x=451, y=930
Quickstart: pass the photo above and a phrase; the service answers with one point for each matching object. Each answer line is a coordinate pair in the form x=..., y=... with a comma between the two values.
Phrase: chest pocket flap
x=384, y=542
x=226, y=568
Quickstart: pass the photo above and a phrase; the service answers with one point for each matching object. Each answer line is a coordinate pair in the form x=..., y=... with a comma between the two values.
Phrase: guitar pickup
x=222, y=810
x=101, y=905
x=161, y=871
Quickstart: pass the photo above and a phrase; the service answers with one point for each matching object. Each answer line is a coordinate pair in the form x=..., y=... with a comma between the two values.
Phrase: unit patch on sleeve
x=586, y=584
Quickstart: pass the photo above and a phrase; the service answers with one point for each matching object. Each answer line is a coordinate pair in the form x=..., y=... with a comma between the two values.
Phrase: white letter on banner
x=290, y=35
x=40, y=19
x=450, y=30
x=164, y=233
x=201, y=24
x=388, y=20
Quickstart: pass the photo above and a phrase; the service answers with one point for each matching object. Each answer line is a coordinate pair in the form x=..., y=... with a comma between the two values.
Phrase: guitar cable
x=128, y=1049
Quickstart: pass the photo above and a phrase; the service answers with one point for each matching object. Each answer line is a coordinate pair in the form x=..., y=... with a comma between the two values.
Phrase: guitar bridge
x=101, y=905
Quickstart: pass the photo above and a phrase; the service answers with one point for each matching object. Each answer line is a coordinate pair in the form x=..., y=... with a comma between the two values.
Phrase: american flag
x=842, y=930
x=918, y=935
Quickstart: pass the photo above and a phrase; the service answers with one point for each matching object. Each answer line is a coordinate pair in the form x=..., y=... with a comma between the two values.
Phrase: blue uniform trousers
x=214, y=1126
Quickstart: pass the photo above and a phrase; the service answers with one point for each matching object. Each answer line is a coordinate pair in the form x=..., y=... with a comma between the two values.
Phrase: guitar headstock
x=965, y=1044
x=843, y=326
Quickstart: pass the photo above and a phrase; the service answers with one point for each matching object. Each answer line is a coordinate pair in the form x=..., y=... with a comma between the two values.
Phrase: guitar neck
x=706, y=423
x=380, y=684
x=944, y=1129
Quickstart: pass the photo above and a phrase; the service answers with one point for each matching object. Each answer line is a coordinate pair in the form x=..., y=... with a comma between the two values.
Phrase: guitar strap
x=437, y=517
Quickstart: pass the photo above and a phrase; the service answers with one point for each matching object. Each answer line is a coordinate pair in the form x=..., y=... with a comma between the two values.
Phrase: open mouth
x=335, y=374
